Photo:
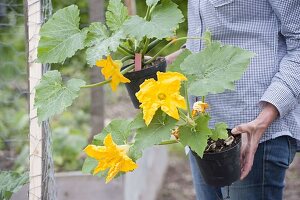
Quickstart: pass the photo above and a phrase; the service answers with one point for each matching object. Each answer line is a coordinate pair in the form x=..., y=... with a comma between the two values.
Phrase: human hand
x=251, y=134
x=171, y=57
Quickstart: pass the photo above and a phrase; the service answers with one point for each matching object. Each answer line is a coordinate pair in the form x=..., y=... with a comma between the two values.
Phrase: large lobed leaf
x=116, y=14
x=103, y=46
x=61, y=36
x=97, y=32
x=11, y=182
x=196, y=137
x=158, y=130
x=53, y=96
x=215, y=68
x=175, y=65
x=151, y=2
x=119, y=129
x=164, y=21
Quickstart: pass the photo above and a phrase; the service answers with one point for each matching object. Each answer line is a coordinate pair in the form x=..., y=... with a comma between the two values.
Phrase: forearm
x=171, y=57
x=267, y=115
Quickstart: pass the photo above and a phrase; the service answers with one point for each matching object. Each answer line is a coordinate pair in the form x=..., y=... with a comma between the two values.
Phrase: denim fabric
x=264, y=182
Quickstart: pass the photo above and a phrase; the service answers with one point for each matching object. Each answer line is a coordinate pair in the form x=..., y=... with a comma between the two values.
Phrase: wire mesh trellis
x=14, y=95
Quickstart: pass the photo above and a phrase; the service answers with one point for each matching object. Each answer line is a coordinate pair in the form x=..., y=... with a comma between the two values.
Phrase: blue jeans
x=265, y=180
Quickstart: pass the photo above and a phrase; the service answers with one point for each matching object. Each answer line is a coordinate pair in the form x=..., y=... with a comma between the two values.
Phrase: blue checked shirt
x=269, y=28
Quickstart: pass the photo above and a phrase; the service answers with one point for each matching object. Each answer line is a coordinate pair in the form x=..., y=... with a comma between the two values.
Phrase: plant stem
x=126, y=50
x=203, y=99
x=123, y=51
x=146, y=44
x=153, y=44
x=186, y=97
x=147, y=16
x=126, y=58
x=168, y=142
x=169, y=44
x=130, y=67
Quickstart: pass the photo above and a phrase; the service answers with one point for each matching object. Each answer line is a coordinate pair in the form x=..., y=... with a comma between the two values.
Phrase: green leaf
x=220, y=131
x=164, y=21
x=120, y=131
x=175, y=65
x=11, y=182
x=135, y=153
x=151, y=2
x=138, y=122
x=116, y=14
x=53, y=96
x=196, y=137
x=96, y=33
x=61, y=36
x=89, y=165
x=158, y=130
x=207, y=38
x=103, y=47
x=215, y=68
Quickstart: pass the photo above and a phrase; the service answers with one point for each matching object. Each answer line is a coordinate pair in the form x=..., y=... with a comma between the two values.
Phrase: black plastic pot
x=138, y=77
x=221, y=168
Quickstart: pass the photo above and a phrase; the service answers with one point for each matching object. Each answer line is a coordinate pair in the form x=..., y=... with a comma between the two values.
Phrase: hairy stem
x=168, y=142
x=169, y=44
x=130, y=67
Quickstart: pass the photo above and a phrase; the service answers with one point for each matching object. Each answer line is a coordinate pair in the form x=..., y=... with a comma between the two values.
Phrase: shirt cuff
x=281, y=97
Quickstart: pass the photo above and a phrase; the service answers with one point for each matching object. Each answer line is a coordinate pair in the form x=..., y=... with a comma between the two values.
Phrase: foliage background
x=71, y=130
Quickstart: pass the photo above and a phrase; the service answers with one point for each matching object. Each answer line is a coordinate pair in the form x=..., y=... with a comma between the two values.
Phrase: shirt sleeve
x=284, y=90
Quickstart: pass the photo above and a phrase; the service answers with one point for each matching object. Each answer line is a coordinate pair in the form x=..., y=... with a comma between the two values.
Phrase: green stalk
x=168, y=142
x=127, y=58
x=146, y=44
x=153, y=44
x=186, y=97
x=130, y=67
x=126, y=50
x=147, y=16
x=123, y=51
x=165, y=47
x=203, y=99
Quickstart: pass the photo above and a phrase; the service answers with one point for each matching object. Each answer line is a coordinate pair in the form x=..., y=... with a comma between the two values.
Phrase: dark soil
x=156, y=62
x=221, y=145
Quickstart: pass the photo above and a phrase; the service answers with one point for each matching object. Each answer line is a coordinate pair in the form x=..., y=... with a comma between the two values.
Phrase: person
x=265, y=107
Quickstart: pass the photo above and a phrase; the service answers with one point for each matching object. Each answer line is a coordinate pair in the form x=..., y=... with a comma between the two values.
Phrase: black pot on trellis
x=221, y=168
x=138, y=77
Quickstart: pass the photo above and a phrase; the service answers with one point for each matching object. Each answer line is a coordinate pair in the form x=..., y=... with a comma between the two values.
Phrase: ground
x=178, y=183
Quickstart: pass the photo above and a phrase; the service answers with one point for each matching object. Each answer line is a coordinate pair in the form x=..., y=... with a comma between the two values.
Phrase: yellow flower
x=199, y=106
x=163, y=93
x=111, y=156
x=111, y=69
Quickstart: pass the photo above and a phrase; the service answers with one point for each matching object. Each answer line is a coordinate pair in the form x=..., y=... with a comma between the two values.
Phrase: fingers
x=240, y=129
x=248, y=162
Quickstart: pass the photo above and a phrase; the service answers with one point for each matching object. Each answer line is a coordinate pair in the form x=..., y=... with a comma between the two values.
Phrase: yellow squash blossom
x=199, y=106
x=111, y=69
x=111, y=156
x=163, y=93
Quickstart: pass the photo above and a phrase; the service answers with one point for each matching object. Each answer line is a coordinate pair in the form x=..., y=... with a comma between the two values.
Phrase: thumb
x=239, y=129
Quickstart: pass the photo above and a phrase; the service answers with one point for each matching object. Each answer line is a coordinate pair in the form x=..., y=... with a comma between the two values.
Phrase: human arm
x=282, y=95
x=284, y=90
x=171, y=57
x=251, y=134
